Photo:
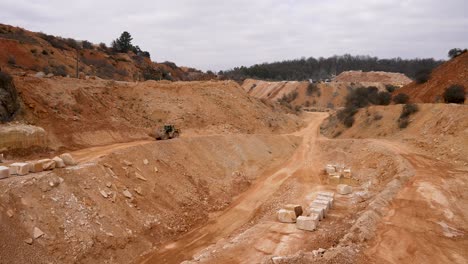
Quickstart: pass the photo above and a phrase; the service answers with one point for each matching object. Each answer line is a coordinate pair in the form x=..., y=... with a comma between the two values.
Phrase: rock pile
x=338, y=171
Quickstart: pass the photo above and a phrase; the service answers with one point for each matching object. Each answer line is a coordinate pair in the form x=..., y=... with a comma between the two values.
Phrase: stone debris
x=39, y=74
x=278, y=260
x=10, y=213
x=127, y=194
x=127, y=163
x=68, y=159
x=156, y=169
x=59, y=163
x=28, y=241
x=37, y=233
x=103, y=193
x=286, y=216
x=295, y=208
x=338, y=170
x=140, y=177
x=145, y=162
x=108, y=184
x=308, y=223
x=138, y=190
x=344, y=189
x=4, y=172
x=47, y=164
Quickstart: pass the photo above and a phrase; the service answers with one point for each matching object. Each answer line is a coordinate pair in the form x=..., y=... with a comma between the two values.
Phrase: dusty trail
x=84, y=155
x=245, y=206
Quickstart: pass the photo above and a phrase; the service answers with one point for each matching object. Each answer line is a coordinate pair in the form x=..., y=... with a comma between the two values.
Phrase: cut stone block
x=308, y=223
x=59, y=163
x=347, y=173
x=68, y=159
x=4, y=172
x=294, y=207
x=324, y=202
x=286, y=216
x=329, y=194
x=35, y=166
x=20, y=168
x=325, y=198
x=320, y=205
x=319, y=211
x=47, y=164
x=330, y=169
x=344, y=189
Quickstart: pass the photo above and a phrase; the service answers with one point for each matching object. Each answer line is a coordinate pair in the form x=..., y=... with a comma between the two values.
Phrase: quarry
x=236, y=174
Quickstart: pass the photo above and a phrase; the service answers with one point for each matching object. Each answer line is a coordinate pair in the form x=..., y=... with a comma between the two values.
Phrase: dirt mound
x=322, y=96
x=392, y=78
x=82, y=113
x=454, y=71
x=23, y=51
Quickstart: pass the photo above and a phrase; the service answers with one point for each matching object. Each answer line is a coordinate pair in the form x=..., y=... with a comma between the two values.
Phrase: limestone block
x=4, y=172
x=68, y=159
x=319, y=211
x=35, y=166
x=320, y=205
x=308, y=223
x=294, y=207
x=344, y=189
x=59, y=163
x=325, y=198
x=47, y=164
x=286, y=216
x=20, y=168
x=324, y=202
x=330, y=169
x=324, y=193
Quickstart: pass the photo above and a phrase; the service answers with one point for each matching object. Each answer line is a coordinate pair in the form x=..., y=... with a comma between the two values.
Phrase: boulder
x=59, y=163
x=286, y=216
x=344, y=189
x=324, y=193
x=37, y=233
x=330, y=169
x=4, y=172
x=308, y=223
x=68, y=159
x=127, y=194
x=47, y=164
x=19, y=168
x=35, y=166
x=320, y=205
x=295, y=208
x=39, y=75
x=324, y=202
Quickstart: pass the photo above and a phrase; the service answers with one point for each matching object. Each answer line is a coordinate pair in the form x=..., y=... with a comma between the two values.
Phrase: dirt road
x=243, y=209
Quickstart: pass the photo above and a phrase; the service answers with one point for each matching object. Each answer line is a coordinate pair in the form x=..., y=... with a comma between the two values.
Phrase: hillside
x=23, y=52
x=82, y=113
x=323, y=95
x=454, y=71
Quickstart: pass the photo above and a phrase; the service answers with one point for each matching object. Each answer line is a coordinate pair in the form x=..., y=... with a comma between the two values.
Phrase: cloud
x=216, y=35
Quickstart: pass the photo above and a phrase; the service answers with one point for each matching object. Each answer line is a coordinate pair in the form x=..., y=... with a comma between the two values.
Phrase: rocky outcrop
x=9, y=102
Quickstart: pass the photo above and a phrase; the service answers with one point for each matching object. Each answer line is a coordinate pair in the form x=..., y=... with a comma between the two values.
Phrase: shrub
x=288, y=98
x=312, y=88
x=390, y=88
x=384, y=98
x=455, y=94
x=408, y=109
x=401, y=98
x=59, y=70
x=346, y=116
x=86, y=44
x=33, y=51
x=455, y=52
x=423, y=76
x=44, y=52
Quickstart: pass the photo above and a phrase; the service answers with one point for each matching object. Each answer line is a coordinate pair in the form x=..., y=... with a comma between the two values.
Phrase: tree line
x=325, y=68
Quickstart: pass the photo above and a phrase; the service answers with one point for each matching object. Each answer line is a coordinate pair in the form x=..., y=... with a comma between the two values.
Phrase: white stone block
x=47, y=164
x=308, y=223
x=325, y=198
x=4, y=172
x=68, y=159
x=330, y=169
x=19, y=168
x=59, y=163
x=320, y=205
x=319, y=211
x=35, y=166
x=295, y=208
x=324, y=202
x=324, y=193
x=344, y=189
x=286, y=216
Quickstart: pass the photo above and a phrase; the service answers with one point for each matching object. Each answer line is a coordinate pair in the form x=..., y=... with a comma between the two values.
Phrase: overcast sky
x=217, y=35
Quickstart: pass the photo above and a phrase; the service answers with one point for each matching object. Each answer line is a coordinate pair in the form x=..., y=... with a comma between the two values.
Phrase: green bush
x=455, y=94
x=407, y=111
x=390, y=88
x=312, y=88
x=423, y=76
